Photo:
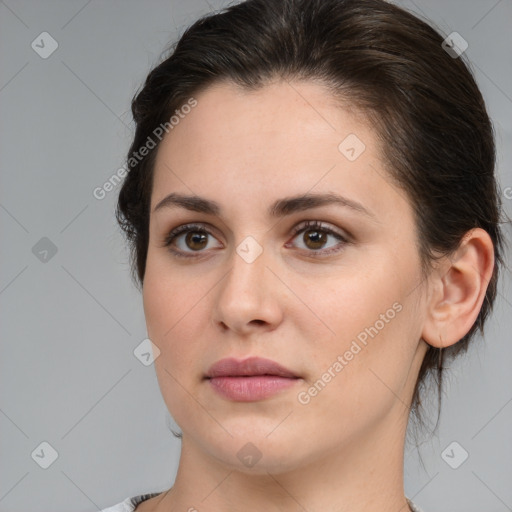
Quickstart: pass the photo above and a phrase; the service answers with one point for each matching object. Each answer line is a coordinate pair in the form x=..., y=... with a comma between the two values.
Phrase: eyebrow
x=279, y=208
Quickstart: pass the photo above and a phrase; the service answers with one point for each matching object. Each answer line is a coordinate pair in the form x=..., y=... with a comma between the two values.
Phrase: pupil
x=193, y=237
x=317, y=238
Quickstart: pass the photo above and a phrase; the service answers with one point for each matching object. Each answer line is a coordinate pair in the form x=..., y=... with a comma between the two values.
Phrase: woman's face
x=341, y=305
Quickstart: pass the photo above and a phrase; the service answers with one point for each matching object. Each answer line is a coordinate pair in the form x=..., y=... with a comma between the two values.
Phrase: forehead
x=282, y=131
x=303, y=109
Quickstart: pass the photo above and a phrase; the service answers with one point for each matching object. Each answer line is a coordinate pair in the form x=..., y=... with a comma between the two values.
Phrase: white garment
x=129, y=504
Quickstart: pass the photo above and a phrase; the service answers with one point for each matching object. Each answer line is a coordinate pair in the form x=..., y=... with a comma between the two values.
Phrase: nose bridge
x=245, y=294
x=248, y=268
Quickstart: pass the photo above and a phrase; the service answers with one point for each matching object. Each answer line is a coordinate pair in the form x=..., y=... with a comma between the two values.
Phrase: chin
x=253, y=451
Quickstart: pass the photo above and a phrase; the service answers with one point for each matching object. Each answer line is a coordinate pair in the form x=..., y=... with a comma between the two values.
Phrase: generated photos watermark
x=150, y=143
x=304, y=397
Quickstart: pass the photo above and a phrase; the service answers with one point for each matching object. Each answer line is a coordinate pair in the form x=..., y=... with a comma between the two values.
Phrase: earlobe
x=460, y=284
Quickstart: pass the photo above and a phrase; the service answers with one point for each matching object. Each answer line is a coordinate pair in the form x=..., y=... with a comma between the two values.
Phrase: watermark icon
x=351, y=147
x=44, y=250
x=45, y=455
x=454, y=455
x=304, y=397
x=150, y=143
x=508, y=193
x=249, y=455
x=146, y=352
x=249, y=249
x=454, y=45
x=44, y=45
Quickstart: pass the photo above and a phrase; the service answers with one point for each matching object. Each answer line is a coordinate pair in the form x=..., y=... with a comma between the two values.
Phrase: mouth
x=250, y=379
x=250, y=367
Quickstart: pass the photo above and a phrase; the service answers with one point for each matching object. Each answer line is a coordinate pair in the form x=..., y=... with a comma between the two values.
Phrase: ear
x=458, y=288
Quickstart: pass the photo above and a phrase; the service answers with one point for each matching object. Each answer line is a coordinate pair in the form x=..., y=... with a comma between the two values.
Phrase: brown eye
x=314, y=239
x=196, y=240
x=188, y=239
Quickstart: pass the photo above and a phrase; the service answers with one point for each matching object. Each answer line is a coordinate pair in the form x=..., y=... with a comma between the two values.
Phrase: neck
x=365, y=474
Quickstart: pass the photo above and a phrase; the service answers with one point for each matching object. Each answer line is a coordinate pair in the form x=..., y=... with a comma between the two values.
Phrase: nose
x=248, y=297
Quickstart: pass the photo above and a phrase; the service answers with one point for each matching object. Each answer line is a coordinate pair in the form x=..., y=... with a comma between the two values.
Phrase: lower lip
x=249, y=389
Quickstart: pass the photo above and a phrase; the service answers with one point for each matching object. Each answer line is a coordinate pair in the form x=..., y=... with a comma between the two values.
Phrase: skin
x=343, y=451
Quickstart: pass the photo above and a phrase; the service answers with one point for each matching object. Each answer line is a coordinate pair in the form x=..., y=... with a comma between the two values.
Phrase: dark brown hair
x=436, y=136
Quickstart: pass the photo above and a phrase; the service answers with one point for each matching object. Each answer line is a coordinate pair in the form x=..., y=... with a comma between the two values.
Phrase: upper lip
x=231, y=367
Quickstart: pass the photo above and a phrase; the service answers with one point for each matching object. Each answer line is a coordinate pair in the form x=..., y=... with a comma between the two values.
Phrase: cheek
x=368, y=319
x=174, y=313
x=355, y=299
x=169, y=298
x=176, y=308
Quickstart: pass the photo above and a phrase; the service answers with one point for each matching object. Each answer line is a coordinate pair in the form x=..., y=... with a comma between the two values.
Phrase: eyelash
x=308, y=225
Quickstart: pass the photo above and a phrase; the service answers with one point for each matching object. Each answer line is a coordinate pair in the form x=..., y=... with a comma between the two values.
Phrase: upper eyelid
x=184, y=228
x=319, y=225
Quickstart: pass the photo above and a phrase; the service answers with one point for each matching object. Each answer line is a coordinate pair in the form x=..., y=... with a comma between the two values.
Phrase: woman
x=313, y=217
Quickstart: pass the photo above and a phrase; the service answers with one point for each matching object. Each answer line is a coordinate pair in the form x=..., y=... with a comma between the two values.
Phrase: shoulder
x=129, y=504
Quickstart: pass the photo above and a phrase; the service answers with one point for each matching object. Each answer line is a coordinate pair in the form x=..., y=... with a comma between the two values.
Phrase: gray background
x=70, y=324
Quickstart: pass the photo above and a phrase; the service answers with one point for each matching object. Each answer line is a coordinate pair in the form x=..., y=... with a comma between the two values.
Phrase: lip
x=251, y=379
x=231, y=367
